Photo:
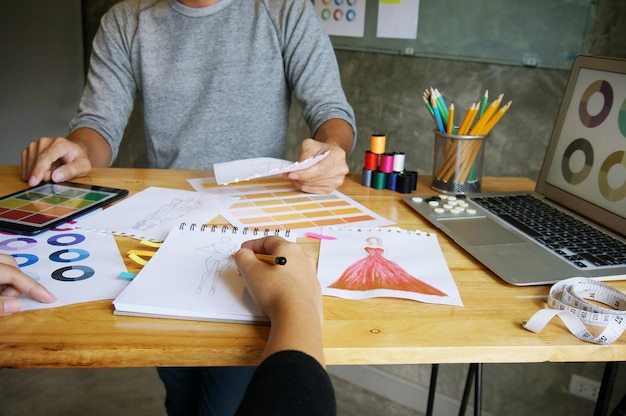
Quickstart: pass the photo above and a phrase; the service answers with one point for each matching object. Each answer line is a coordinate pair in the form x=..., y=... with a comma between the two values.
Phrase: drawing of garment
x=219, y=260
x=175, y=209
x=377, y=272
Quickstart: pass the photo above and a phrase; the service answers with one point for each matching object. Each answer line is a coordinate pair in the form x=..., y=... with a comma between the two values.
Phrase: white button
x=471, y=211
x=447, y=206
x=417, y=199
x=439, y=210
x=433, y=203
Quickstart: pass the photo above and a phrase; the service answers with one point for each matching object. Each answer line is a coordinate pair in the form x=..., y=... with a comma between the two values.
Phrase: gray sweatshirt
x=216, y=82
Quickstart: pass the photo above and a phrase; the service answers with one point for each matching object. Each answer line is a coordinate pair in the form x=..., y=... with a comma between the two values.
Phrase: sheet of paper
x=397, y=19
x=275, y=203
x=75, y=265
x=388, y=262
x=247, y=169
x=342, y=18
x=151, y=213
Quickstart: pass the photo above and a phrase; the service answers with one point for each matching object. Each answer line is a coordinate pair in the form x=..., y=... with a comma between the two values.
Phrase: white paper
x=388, y=262
x=75, y=265
x=342, y=18
x=261, y=167
x=151, y=213
x=193, y=276
x=397, y=19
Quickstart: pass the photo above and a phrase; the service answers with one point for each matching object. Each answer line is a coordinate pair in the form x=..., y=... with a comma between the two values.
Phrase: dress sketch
x=374, y=271
x=175, y=209
x=218, y=260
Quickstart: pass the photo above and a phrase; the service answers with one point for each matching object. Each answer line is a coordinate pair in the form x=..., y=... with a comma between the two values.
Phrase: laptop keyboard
x=572, y=239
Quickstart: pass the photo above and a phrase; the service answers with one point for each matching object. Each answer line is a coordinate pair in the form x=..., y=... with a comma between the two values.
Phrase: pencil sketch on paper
x=374, y=271
x=219, y=260
x=173, y=210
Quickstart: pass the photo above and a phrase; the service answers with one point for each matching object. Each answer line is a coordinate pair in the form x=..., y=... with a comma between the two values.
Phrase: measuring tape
x=567, y=300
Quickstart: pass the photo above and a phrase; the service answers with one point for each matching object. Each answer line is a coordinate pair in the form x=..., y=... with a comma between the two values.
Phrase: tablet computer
x=34, y=210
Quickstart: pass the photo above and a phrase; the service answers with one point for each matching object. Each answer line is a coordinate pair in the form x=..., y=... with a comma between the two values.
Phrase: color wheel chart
x=75, y=265
x=593, y=141
x=274, y=203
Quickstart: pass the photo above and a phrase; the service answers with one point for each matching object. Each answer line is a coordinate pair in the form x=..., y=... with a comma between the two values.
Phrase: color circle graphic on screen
x=60, y=240
x=24, y=244
x=59, y=274
x=28, y=259
x=612, y=193
x=606, y=90
x=621, y=119
x=570, y=176
x=69, y=255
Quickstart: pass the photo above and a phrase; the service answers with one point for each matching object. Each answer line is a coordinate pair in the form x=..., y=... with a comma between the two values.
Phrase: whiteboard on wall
x=547, y=34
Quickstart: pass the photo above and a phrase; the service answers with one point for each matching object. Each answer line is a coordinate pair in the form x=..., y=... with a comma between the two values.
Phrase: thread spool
x=403, y=183
x=377, y=143
x=379, y=179
x=366, y=178
x=386, y=162
x=413, y=174
x=371, y=160
x=391, y=181
x=398, y=161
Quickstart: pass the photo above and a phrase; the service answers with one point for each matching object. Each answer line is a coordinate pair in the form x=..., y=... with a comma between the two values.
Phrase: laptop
x=583, y=177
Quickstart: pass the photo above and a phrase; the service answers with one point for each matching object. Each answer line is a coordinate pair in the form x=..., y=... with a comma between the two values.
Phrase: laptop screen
x=585, y=166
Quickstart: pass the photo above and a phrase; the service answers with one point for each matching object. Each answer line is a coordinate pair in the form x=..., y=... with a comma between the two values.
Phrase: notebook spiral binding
x=255, y=231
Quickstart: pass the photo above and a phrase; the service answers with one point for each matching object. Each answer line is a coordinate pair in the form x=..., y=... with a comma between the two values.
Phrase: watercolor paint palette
x=43, y=207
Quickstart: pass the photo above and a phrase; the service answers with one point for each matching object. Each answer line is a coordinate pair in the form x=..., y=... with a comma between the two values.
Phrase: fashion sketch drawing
x=218, y=260
x=374, y=271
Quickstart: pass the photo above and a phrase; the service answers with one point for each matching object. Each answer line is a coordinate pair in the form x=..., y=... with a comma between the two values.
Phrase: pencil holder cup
x=457, y=163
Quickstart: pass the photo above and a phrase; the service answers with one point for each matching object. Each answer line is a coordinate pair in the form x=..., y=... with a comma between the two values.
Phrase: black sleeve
x=289, y=383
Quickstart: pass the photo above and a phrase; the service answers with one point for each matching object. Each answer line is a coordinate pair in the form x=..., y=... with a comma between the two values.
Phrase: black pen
x=269, y=259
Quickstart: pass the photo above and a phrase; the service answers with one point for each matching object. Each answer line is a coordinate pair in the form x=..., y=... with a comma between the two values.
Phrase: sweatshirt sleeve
x=110, y=90
x=289, y=383
x=311, y=65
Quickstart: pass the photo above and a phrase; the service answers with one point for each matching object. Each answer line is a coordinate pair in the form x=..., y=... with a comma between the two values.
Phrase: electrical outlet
x=584, y=387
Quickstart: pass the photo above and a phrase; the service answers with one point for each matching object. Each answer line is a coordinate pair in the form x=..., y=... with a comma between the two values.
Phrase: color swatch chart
x=275, y=203
x=47, y=204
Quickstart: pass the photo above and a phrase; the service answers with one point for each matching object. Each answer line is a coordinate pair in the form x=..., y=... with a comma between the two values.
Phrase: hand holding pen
x=289, y=295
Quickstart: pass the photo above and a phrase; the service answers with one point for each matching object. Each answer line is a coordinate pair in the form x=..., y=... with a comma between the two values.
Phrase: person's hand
x=326, y=175
x=53, y=159
x=278, y=290
x=13, y=283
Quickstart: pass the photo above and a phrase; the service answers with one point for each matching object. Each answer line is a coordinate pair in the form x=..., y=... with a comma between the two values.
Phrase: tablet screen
x=45, y=206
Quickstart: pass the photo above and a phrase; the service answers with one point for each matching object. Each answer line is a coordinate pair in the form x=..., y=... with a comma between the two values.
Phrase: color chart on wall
x=274, y=203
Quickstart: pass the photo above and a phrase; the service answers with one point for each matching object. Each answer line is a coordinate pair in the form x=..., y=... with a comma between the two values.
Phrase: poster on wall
x=342, y=17
x=397, y=19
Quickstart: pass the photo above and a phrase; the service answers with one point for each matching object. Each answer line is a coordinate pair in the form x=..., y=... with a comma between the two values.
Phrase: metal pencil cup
x=457, y=163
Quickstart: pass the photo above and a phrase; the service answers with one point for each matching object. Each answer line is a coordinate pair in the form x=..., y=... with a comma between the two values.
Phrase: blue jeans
x=204, y=391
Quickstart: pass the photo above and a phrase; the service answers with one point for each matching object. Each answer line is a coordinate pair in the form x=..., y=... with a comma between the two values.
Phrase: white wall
x=41, y=71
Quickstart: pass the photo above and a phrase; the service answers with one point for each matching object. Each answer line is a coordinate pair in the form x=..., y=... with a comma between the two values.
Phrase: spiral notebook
x=193, y=276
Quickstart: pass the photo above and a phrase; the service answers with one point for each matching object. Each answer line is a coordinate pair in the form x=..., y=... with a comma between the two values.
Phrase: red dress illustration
x=377, y=272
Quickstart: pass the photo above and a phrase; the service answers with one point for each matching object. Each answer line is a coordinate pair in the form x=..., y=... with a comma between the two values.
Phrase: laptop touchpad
x=480, y=231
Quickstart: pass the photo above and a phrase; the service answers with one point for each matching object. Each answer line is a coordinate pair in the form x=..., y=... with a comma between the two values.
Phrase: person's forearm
x=338, y=132
x=95, y=146
x=298, y=329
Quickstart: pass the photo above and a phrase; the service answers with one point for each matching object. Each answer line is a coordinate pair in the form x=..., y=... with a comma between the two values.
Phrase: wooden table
x=487, y=329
